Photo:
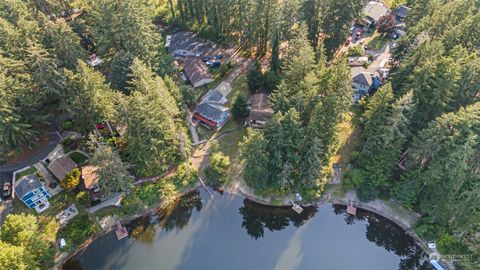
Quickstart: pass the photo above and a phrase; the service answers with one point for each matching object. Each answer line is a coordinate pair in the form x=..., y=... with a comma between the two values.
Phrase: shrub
x=67, y=125
x=217, y=172
x=72, y=179
x=83, y=198
x=77, y=231
x=185, y=175
x=356, y=51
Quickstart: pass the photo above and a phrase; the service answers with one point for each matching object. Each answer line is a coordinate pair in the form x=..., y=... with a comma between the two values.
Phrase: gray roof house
x=211, y=115
x=402, y=12
x=197, y=72
x=218, y=95
x=374, y=11
x=215, y=97
x=185, y=43
x=31, y=191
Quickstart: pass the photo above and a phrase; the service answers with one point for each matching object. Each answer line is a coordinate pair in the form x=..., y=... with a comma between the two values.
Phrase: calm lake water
x=231, y=233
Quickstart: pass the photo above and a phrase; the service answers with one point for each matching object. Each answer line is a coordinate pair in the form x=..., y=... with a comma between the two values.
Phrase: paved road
x=53, y=142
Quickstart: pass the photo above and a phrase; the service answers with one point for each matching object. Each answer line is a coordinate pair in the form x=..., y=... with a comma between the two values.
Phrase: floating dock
x=297, y=208
x=351, y=209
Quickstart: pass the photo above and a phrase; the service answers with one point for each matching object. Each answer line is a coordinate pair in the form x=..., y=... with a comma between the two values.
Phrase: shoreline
x=324, y=199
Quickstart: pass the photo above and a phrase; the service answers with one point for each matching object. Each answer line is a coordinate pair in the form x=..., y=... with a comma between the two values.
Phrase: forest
x=419, y=133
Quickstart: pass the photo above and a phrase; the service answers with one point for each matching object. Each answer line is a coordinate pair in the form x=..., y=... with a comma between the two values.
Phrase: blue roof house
x=32, y=192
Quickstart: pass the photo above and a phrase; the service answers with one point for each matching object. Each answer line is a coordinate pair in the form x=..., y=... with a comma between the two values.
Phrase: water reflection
x=389, y=236
x=227, y=231
x=175, y=216
x=257, y=218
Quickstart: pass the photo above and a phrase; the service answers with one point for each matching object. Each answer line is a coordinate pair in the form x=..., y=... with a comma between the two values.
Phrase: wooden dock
x=121, y=231
x=351, y=209
x=205, y=187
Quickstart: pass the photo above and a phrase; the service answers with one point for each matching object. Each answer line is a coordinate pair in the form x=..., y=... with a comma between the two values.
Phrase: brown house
x=260, y=111
x=197, y=72
x=90, y=182
x=61, y=166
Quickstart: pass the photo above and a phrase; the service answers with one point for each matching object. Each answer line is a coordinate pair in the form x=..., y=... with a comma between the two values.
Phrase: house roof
x=402, y=11
x=259, y=108
x=214, y=96
x=90, y=177
x=258, y=101
x=196, y=70
x=61, y=166
x=211, y=111
x=26, y=184
x=185, y=40
x=364, y=78
x=375, y=10
x=225, y=88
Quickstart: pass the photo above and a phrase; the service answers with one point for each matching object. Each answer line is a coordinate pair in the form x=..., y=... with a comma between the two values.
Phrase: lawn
x=239, y=86
x=376, y=41
x=78, y=158
x=31, y=170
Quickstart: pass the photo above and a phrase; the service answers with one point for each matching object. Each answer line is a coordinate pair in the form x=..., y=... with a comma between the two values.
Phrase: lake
x=229, y=232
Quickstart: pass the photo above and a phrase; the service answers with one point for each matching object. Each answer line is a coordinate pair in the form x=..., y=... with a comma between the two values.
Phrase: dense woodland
x=420, y=132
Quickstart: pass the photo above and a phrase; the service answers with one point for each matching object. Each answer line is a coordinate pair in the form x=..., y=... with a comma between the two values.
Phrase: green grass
x=376, y=41
x=78, y=158
x=31, y=170
x=239, y=86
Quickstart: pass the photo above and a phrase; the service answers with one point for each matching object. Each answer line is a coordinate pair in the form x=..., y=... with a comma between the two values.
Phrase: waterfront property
x=90, y=182
x=32, y=192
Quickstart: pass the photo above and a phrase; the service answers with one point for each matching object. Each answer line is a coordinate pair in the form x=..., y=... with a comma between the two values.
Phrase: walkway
x=115, y=200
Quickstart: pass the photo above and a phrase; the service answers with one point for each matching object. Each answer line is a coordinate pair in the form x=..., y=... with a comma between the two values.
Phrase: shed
x=197, y=72
x=260, y=111
x=61, y=166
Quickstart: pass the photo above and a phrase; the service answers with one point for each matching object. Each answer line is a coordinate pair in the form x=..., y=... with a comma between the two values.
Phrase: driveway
x=54, y=139
x=385, y=53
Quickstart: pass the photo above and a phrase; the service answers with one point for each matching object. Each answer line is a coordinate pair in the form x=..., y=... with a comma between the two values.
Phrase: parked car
x=184, y=77
x=349, y=40
x=100, y=126
x=220, y=56
x=213, y=64
x=206, y=58
x=7, y=189
x=358, y=34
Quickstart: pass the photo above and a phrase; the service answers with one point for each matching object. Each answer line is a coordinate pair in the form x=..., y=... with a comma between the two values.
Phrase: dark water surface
x=229, y=232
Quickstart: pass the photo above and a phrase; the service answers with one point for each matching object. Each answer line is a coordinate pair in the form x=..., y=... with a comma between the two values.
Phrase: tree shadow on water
x=257, y=218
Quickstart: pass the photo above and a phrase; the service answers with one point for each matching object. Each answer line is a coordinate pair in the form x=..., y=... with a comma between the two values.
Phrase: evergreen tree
x=155, y=139
x=89, y=99
x=240, y=107
x=255, y=78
